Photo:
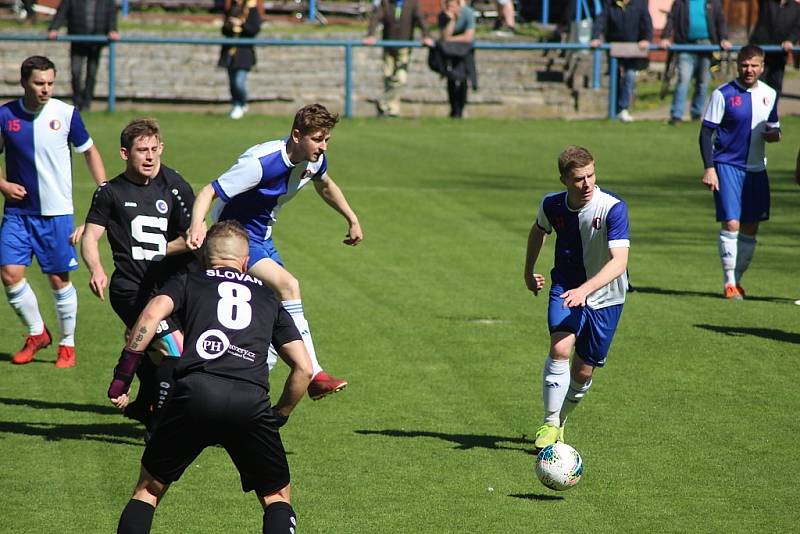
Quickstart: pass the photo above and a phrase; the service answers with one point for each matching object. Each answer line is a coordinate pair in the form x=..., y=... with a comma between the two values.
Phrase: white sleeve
x=245, y=175
x=715, y=109
x=541, y=219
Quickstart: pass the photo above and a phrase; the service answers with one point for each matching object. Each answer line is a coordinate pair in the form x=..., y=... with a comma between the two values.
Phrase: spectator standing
x=36, y=132
x=741, y=117
x=457, y=26
x=85, y=17
x=399, y=19
x=694, y=22
x=242, y=19
x=778, y=23
x=625, y=21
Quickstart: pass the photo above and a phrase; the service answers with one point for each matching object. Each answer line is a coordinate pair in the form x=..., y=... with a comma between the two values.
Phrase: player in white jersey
x=741, y=116
x=37, y=131
x=252, y=192
x=588, y=284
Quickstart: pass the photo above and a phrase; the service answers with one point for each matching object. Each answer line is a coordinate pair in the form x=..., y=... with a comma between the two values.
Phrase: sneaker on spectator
x=237, y=112
x=625, y=116
x=324, y=384
x=66, y=357
x=32, y=345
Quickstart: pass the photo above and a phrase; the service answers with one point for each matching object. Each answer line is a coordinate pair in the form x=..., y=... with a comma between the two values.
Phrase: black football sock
x=279, y=518
x=136, y=518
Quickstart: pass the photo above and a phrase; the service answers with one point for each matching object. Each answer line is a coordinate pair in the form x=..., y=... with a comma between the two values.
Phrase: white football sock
x=295, y=309
x=744, y=254
x=575, y=394
x=66, y=313
x=555, y=381
x=727, y=255
x=24, y=303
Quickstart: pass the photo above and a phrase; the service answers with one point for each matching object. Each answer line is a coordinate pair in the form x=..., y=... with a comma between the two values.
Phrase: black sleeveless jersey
x=229, y=320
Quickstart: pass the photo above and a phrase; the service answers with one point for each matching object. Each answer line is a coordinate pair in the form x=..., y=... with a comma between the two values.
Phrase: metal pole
x=597, y=63
x=312, y=11
x=348, y=81
x=545, y=11
x=613, y=76
x=125, y=8
x=112, y=76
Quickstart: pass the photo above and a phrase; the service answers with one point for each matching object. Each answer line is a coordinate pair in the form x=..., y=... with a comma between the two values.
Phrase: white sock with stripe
x=744, y=254
x=555, y=381
x=295, y=309
x=67, y=313
x=727, y=255
x=23, y=302
x=575, y=394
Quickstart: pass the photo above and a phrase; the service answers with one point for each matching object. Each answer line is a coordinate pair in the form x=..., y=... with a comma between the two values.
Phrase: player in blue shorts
x=741, y=117
x=37, y=132
x=252, y=192
x=588, y=285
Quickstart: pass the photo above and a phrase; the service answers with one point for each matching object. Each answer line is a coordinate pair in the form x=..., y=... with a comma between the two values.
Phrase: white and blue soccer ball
x=559, y=466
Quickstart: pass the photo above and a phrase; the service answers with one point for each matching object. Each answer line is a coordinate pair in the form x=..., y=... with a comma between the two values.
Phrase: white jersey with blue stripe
x=38, y=156
x=739, y=116
x=259, y=183
x=583, y=240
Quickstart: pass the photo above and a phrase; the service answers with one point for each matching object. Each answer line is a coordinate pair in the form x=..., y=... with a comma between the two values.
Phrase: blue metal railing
x=348, y=45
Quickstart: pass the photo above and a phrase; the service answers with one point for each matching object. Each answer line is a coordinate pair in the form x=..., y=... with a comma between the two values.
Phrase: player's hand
x=98, y=283
x=13, y=191
x=771, y=135
x=75, y=236
x=535, y=282
x=121, y=402
x=710, y=179
x=354, y=235
x=196, y=235
x=124, y=372
x=575, y=297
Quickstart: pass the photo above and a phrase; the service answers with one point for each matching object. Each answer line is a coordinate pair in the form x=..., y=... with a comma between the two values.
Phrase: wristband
x=124, y=372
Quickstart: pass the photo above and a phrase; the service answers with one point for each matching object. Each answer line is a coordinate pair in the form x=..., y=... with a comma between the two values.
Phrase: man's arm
x=90, y=252
x=95, y=163
x=536, y=238
x=611, y=270
x=295, y=355
x=334, y=197
x=197, y=229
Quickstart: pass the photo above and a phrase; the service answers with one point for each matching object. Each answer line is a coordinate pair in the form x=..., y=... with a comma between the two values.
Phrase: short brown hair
x=226, y=240
x=313, y=118
x=35, y=63
x=749, y=52
x=574, y=157
x=139, y=128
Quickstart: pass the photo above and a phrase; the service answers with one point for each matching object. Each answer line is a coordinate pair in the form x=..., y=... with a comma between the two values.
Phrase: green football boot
x=547, y=434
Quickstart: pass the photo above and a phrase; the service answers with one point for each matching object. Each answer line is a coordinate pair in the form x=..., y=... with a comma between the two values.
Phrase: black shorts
x=207, y=410
x=128, y=306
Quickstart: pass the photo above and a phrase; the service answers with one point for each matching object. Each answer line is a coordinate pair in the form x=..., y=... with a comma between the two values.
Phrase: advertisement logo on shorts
x=162, y=207
x=212, y=344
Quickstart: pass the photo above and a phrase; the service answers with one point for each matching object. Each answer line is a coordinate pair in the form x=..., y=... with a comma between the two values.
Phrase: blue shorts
x=743, y=196
x=46, y=237
x=263, y=248
x=593, y=329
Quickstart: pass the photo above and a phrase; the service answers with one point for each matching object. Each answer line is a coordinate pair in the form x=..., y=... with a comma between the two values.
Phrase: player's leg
x=591, y=349
x=279, y=516
x=15, y=256
x=266, y=264
x=137, y=516
x=729, y=211
x=755, y=208
x=57, y=257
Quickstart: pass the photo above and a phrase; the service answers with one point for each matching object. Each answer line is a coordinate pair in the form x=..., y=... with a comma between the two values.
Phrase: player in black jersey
x=145, y=211
x=221, y=392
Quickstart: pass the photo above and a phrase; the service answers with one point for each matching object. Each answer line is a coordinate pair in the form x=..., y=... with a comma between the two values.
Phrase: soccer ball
x=559, y=466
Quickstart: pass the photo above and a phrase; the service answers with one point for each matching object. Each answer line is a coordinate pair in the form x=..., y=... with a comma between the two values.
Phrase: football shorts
x=43, y=236
x=743, y=195
x=263, y=248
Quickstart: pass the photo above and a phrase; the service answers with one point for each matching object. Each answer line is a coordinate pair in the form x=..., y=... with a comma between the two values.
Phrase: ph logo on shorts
x=162, y=207
x=212, y=344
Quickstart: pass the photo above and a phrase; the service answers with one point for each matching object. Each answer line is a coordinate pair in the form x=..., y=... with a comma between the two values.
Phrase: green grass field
x=691, y=427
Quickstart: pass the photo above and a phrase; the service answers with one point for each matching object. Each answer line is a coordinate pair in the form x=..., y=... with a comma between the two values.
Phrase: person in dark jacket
x=625, y=21
x=85, y=17
x=694, y=22
x=242, y=19
x=457, y=25
x=399, y=19
x=778, y=23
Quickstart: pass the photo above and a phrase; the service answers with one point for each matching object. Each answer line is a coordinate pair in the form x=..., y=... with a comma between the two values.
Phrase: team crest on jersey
x=212, y=344
x=55, y=125
x=766, y=101
x=161, y=206
x=597, y=223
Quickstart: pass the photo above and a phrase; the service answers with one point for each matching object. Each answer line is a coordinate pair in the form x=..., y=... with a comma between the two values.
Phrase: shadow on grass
x=536, y=497
x=115, y=433
x=71, y=406
x=462, y=441
x=766, y=333
x=709, y=294
x=6, y=357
